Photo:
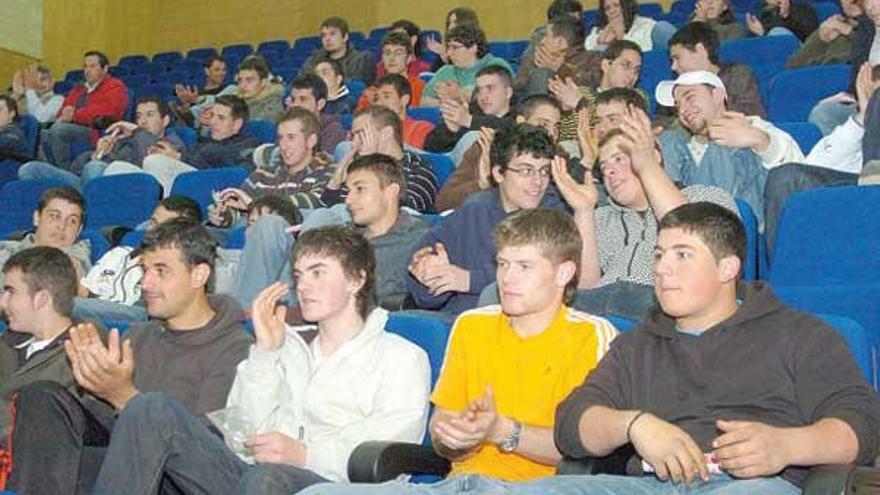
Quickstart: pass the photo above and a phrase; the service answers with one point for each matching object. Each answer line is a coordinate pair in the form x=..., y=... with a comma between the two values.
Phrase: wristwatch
x=512, y=441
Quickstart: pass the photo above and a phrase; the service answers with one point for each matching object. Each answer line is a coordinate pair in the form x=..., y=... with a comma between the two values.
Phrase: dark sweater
x=13, y=143
x=234, y=150
x=801, y=20
x=441, y=139
x=193, y=367
x=767, y=363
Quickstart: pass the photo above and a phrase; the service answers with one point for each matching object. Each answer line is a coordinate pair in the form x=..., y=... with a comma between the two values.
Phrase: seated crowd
x=180, y=362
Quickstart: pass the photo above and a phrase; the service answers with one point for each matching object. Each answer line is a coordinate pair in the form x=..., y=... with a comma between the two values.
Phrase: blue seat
x=9, y=170
x=286, y=72
x=828, y=236
x=199, y=184
x=135, y=81
x=274, y=45
x=652, y=10
x=75, y=76
x=168, y=58
x=133, y=61
x=99, y=244
x=239, y=51
x=824, y=10
x=263, y=130
x=18, y=200
x=133, y=238
x=117, y=71
x=590, y=18
x=155, y=89
x=683, y=6
x=431, y=114
x=764, y=73
x=759, y=49
x=172, y=77
x=750, y=222
x=63, y=87
x=810, y=84
x=201, y=54
x=620, y=323
x=306, y=45
x=860, y=343
x=655, y=68
x=236, y=238
x=429, y=333
x=346, y=120
x=508, y=50
x=31, y=127
x=356, y=88
x=186, y=134
x=103, y=205
x=807, y=134
x=441, y=164
x=379, y=33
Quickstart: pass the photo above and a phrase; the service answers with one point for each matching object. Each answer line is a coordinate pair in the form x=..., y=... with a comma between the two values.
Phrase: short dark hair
x=520, y=140
x=103, y=61
x=336, y=22
x=66, y=193
x=397, y=38
x=496, y=70
x=400, y=83
x=309, y=121
x=616, y=48
x=389, y=170
x=50, y=269
x=195, y=243
x=469, y=35
x=628, y=8
x=530, y=104
x=718, y=227
x=236, y=105
x=568, y=28
x=564, y=7
x=382, y=118
x=337, y=67
x=160, y=103
x=351, y=250
x=211, y=59
x=312, y=82
x=278, y=204
x=553, y=232
x=463, y=15
x=412, y=29
x=627, y=96
x=11, y=105
x=694, y=33
x=255, y=63
x=184, y=207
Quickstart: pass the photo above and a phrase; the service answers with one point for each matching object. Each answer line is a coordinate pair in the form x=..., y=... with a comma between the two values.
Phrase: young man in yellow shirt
x=508, y=366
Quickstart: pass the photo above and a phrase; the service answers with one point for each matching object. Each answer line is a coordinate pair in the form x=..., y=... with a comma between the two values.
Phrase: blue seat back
x=199, y=184
x=760, y=49
x=430, y=114
x=750, y=222
x=429, y=333
x=809, y=84
x=441, y=164
x=98, y=243
x=127, y=200
x=31, y=128
x=859, y=341
x=263, y=130
x=807, y=134
x=18, y=201
x=828, y=236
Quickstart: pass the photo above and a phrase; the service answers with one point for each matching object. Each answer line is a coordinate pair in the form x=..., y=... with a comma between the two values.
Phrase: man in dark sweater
x=188, y=351
x=490, y=108
x=13, y=143
x=356, y=64
x=226, y=146
x=723, y=385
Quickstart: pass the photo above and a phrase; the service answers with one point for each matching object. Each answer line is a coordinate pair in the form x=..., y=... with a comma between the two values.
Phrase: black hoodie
x=193, y=367
x=767, y=363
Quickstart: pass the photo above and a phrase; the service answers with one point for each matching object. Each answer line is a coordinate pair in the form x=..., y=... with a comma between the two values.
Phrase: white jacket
x=841, y=150
x=639, y=33
x=374, y=387
x=116, y=277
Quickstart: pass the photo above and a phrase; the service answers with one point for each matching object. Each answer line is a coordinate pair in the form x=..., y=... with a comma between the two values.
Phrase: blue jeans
x=265, y=258
x=100, y=310
x=871, y=139
x=829, y=115
x=468, y=483
x=61, y=134
x=42, y=170
x=660, y=34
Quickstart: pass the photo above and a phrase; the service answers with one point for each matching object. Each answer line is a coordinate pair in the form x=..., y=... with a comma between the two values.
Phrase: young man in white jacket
x=305, y=397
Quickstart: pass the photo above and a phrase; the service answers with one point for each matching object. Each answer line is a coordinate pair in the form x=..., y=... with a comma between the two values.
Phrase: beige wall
x=121, y=27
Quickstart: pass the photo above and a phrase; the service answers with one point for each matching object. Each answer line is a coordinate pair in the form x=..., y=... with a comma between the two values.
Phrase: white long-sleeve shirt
x=42, y=108
x=841, y=150
x=374, y=387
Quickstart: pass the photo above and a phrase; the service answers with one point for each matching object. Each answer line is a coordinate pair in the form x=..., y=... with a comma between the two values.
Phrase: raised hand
x=734, y=130
x=638, y=140
x=107, y=371
x=754, y=25
x=567, y=92
x=587, y=139
x=484, y=166
x=269, y=316
x=581, y=197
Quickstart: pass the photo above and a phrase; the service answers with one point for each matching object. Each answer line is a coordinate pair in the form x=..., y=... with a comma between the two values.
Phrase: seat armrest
x=842, y=479
x=377, y=462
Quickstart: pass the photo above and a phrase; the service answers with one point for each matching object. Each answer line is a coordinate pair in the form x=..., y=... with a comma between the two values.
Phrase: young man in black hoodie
x=723, y=387
x=189, y=351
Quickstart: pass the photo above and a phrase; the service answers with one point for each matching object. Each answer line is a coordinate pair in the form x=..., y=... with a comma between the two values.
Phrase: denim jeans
x=660, y=34
x=155, y=437
x=265, y=258
x=783, y=182
x=100, y=310
x=60, y=135
x=163, y=168
x=871, y=139
x=829, y=115
x=468, y=483
x=43, y=170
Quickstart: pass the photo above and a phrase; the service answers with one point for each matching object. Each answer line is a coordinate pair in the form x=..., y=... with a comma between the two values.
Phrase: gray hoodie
x=193, y=367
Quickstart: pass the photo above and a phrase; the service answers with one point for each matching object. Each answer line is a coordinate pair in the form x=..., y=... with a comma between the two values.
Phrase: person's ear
x=200, y=275
x=729, y=268
x=321, y=104
x=42, y=299
x=392, y=192
x=36, y=219
x=565, y=272
x=355, y=285
x=166, y=121
x=312, y=141
x=509, y=92
x=237, y=124
x=497, y=174
x=520, y=119
x=605, y=64
x=405, y=99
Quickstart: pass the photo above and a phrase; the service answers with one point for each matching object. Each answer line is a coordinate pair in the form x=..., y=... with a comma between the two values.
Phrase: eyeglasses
x=530, y=172
x=455, y=46
x=628, y=66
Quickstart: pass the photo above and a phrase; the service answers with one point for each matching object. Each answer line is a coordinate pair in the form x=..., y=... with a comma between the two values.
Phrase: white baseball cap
x=663, y=93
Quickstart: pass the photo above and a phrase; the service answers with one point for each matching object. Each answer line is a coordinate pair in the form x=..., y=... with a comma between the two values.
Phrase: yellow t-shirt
x=530, y=376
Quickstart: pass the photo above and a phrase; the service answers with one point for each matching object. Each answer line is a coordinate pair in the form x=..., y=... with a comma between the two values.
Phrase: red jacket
x=109, y=99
